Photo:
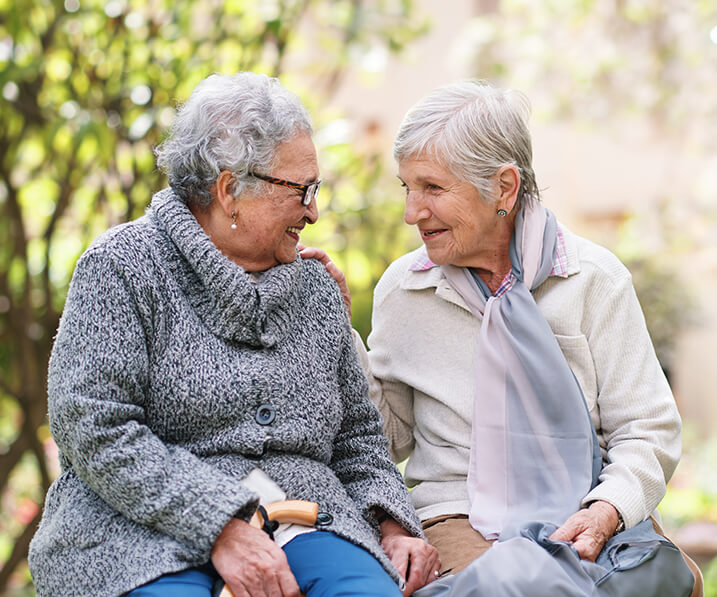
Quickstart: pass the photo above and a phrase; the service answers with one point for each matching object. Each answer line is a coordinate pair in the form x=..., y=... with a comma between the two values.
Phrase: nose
x=416, y=208
x=311, y=212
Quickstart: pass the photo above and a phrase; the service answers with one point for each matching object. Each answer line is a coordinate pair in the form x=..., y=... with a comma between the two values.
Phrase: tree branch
x=9, y=461
x=19, y=552
x=6, y=389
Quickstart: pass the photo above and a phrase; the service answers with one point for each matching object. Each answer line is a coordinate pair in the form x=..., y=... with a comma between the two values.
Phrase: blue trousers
x=323, y=564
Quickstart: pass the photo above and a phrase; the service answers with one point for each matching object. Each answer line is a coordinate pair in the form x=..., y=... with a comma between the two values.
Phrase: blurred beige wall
x=593, y=178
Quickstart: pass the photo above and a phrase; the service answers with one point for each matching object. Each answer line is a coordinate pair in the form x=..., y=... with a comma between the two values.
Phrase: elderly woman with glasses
x=201, y=370
x=514, y=371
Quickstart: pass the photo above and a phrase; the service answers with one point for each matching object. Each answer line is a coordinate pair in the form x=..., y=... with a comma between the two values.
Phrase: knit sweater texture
x=165, y=353
x=422, y=361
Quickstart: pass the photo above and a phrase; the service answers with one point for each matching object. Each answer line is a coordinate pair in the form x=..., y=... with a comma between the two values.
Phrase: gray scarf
x=534, y=452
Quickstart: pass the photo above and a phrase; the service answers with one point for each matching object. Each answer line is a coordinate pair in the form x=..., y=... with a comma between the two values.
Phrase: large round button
x=265, y=414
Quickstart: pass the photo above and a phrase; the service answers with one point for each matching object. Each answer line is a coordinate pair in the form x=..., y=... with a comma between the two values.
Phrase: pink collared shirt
x=560, y=264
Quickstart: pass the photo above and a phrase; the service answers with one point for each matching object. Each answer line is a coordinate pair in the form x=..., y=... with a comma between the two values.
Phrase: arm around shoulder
x=393, y=398
x=360, y=458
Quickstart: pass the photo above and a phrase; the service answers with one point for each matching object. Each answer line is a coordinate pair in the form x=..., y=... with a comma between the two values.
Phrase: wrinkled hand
x=589, y=529
x=251, y=564
x=415, y=559
x=336, y=273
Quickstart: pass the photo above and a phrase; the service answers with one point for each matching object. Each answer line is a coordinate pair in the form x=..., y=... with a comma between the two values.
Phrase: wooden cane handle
x=291, y=511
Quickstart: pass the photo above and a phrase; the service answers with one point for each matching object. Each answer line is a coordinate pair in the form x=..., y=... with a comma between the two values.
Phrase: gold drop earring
x=234, y=220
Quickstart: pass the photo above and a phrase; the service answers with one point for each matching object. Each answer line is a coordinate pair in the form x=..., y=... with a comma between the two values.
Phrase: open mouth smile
x=429, y=234
x=293, y=232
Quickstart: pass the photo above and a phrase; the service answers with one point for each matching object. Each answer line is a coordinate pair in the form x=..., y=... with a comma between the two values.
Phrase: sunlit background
x=624, y=96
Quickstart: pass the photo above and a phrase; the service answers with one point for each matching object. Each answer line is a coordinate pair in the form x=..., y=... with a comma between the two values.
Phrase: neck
x=217, y=227
x=494, y=265
x=493, y=275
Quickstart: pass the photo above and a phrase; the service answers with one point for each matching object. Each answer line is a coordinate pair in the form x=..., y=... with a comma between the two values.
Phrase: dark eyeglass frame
x=309, y=191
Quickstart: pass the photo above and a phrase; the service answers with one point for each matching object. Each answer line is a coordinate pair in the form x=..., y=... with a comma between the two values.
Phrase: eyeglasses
x=309, y=191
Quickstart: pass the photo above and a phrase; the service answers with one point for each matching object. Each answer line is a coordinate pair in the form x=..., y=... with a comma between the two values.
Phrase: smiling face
x=268, y=222
x=457, y=226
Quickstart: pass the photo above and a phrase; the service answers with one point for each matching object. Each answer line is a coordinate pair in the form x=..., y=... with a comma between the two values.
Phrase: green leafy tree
x=87, y=89
x=596, y=61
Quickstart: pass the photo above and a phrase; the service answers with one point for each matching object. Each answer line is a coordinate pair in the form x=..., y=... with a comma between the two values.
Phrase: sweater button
x=265, y=414
x=324, y=519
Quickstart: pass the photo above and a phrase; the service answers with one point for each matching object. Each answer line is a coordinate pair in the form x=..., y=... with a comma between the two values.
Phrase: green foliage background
x=87, y=89
x=88, y=86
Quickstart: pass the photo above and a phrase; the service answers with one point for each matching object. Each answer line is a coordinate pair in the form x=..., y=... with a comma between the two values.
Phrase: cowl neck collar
x=221, y=292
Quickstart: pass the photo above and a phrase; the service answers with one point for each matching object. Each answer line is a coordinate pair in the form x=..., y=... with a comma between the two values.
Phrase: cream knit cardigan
x=421, y=365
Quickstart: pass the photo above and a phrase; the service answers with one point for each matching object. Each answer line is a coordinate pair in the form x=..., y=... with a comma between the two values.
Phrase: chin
x=289, y=258
x=437, y=257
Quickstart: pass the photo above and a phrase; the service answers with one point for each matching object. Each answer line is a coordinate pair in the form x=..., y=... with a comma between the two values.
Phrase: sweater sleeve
x=392, y=396
x=394, y=401
x=99, y=369
x=639, y=421
x=360, y=458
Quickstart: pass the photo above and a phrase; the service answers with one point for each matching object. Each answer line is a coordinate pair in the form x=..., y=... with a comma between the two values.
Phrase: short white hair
x=230, y=122
x=472, y=129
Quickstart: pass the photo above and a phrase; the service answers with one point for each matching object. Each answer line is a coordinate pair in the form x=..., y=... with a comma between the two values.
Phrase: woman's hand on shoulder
x=251, y=564
x=589, y=529
x=415, y=559
x=335, y=272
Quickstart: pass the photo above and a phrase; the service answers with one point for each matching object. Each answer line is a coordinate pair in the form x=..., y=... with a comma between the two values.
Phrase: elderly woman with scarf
x=201, y=369
x=510, y=360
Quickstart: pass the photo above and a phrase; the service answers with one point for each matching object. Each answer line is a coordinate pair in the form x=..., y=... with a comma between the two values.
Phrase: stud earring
x=234, y=220
x=502, y=213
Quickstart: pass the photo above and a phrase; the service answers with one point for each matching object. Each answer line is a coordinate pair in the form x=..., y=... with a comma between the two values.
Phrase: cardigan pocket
x=577, y=352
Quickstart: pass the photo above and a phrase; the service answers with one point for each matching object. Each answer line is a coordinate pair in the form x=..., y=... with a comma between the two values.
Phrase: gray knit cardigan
x=165, y=353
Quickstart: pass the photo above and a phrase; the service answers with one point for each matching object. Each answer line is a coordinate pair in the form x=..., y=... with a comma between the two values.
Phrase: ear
x=222, y=191
x=508, y=178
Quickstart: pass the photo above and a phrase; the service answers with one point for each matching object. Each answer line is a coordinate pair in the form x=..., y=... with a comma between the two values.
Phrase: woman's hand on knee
x=589, y=529
x=251, y=564
x=416, y=560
